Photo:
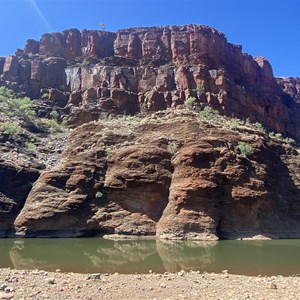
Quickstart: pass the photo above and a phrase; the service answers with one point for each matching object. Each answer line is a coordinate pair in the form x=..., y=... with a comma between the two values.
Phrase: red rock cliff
x=148, y=69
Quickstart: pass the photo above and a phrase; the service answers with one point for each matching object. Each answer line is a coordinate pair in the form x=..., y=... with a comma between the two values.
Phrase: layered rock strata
x=149, y=69
x=167, y=176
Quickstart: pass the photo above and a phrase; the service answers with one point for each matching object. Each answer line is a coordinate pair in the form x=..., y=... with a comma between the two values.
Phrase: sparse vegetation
x=259, y=127
x=200, y=89
x=98, y=195
x=45, y=95
x=290, y=141
x=30, y=147
x=54, y=115
x=212, y=116
x=173, y=148
x=102, y=26
x=49, y=124
x=165, y=67
x=235, y=123
x=190, y=101
x=208, y=114
x=279, y=137
x=245, y=149
x=16, y=107
x=146, y=94
x=12, y=129
x=85, y=63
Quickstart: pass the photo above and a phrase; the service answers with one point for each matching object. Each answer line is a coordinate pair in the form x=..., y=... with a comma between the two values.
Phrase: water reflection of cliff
x=106, y=256
x=5, y=246
x=99, y=255
x=188, y=255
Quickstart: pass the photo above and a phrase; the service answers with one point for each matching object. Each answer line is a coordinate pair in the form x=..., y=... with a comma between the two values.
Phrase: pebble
x=5, y=296
x=272, y=286
x=93, y=276
x=163, y=285
x=181, y=273
x=191, y=286
x=9, y=290
x=51, y=281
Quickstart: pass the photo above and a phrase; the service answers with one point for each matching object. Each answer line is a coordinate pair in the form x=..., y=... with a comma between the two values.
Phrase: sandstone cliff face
x=149, y=69
x=167, y=176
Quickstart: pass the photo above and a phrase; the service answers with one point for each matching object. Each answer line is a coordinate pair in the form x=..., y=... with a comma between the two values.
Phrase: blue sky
x=270, y=28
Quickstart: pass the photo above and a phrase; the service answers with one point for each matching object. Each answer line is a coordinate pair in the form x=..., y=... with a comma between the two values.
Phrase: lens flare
x=41, y=15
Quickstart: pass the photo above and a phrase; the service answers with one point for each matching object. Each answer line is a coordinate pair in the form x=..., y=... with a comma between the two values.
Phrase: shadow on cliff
x=14, y=189
x=270, y=210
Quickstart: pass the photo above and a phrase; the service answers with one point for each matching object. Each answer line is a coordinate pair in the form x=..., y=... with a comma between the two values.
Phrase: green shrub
x=11, y=128
x=271, y=134
x=102, y=26
x=85, y=63
x=30, y=147
x=290, y=141
x=200, y=89
x=245, y=149
x=16, y=107
x=235, y=123
x=277, y=136
x=98, y=195
x=209, y=114
x=190, y=101
x=146, y=94
x=45, y=95
x=165, y=67
x=54, y=115
x=49, y=124
x=258, y=126
x=173, y=148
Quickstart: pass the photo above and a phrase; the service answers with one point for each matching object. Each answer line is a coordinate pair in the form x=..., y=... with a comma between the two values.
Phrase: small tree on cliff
x=16, y=107
x=102, y=26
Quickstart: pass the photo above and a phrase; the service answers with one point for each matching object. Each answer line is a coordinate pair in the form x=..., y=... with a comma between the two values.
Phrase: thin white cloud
x=41, y=15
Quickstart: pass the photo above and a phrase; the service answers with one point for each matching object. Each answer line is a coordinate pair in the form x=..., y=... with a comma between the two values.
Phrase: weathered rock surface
x=22, y=159
x=16, y=182
x=167, y=176
x=291, y=86
x=172, y=63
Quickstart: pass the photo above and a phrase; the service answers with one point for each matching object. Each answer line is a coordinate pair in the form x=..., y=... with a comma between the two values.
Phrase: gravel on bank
x=36, y=284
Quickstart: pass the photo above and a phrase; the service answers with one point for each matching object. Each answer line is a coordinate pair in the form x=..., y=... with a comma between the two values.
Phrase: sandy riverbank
x=22, y=284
